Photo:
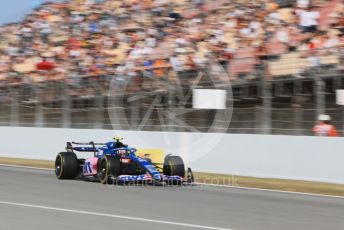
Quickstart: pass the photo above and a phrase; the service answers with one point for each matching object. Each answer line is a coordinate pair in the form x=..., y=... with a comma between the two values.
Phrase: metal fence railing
x=285, y=121
x=264, y=105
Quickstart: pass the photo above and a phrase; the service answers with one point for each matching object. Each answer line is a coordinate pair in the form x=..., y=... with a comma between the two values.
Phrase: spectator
x=313, y=59
x=176, y=63
x=90, y=37
x=148, y=66
x=323, y=128
x=303, y=4
x=45, y=65
x=308, y=20
x=159, y=67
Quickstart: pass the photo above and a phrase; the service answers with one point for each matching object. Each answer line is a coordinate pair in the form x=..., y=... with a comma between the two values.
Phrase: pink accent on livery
x=93, y=163
x=148, y=177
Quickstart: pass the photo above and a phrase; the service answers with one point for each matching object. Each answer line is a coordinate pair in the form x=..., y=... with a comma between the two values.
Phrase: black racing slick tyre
x=66, y=166
x=109, y=169
x=174, y=166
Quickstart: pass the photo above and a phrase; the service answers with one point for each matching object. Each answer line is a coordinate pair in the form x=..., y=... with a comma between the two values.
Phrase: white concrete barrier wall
x=285, y=157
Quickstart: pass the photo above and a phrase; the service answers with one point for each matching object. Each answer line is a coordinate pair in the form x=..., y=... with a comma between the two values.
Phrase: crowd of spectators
x=78, y=40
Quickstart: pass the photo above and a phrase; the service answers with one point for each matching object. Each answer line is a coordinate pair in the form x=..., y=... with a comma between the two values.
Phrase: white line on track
x=214, y=185
x=111, y=216
x=271, y=190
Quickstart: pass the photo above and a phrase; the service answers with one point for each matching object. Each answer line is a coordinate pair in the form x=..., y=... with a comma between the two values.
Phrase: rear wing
x=89, y=146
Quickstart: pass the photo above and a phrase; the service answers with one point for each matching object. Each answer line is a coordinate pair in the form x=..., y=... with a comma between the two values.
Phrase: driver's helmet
x=118, y=143
x=118, y=139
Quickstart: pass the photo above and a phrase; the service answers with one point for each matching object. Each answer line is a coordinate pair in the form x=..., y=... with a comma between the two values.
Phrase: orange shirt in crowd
x=159, y=67
x=325, y=130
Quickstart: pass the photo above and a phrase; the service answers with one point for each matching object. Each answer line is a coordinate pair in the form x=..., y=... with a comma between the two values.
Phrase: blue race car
x=114, y=162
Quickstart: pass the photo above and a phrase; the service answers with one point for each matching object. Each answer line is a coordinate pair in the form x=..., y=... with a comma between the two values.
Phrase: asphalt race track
x=34, y=199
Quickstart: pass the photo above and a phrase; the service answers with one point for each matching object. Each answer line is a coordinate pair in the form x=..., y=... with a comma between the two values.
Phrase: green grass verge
x=273, y=184
x=28, y=163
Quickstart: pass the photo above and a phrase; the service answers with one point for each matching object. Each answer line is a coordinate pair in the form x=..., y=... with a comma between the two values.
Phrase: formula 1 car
x=114, y=162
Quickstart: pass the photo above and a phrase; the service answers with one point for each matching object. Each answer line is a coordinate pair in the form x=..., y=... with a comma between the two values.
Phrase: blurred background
x=279, y=62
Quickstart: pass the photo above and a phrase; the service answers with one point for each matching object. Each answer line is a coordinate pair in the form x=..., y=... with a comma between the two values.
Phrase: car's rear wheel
x=174, y=166
x=109, y=169
x=66, y=166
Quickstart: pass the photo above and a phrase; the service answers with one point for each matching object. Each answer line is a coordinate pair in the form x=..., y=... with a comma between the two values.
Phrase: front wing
x=146, y=178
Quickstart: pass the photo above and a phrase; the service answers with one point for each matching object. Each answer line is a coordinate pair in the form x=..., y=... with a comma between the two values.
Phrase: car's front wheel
x=174, y=166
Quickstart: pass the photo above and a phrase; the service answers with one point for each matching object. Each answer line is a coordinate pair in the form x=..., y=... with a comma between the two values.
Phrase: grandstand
x=284, y=60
